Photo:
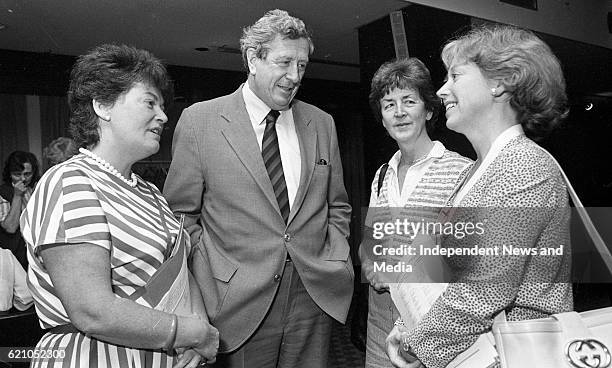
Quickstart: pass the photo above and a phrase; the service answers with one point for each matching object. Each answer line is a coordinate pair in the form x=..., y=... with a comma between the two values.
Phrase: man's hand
x=399, y=357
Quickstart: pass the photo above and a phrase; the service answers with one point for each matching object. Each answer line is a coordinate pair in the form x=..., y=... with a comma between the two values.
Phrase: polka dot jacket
x=523, y=203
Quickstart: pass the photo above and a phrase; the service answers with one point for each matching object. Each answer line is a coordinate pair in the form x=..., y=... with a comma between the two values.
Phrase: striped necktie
x=274, y=165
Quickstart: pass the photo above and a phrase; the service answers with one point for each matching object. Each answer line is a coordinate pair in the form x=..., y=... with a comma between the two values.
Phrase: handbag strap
x=586, y=219
x=381, y=176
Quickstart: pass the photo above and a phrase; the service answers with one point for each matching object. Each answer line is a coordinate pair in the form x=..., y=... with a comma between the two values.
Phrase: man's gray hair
x=273, y=23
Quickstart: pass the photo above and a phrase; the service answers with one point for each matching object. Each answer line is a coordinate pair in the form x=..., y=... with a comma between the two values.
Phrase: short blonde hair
x=524, y=64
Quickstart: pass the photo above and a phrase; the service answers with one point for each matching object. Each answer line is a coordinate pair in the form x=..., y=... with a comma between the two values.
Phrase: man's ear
x=252, y=60
x=102, y=110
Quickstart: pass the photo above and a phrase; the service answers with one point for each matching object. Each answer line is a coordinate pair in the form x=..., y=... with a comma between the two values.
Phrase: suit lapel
x=240, y=135
x=307, y=136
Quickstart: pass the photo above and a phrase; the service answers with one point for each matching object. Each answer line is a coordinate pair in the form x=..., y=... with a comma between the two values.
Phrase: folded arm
x=515, y=216
x=81, y=276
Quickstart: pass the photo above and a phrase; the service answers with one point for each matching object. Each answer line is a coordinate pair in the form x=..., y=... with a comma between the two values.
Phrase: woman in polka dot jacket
x=505, y=87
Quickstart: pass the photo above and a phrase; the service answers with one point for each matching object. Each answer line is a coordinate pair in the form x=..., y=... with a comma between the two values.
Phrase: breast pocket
x=317, y=190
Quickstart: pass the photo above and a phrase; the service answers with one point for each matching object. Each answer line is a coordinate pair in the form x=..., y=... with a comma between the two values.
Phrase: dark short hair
x=405, y=73
x=524, y=64
x=104, y=74
x=15, y=161
x=274, y=22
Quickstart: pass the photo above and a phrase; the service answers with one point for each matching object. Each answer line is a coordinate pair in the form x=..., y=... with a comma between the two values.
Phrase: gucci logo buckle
x=587, y=353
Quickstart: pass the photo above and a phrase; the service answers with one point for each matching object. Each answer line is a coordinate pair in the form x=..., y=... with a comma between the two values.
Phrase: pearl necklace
x=109, y=168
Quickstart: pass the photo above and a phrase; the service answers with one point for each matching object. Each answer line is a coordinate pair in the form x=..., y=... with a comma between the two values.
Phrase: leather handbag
x=576, y=340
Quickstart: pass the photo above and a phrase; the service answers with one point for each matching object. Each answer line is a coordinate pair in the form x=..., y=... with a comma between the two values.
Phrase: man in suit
x=259, y=177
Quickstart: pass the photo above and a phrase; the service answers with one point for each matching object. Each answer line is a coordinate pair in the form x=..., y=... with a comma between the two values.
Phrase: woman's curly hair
x=524, y=64
x=104, y=74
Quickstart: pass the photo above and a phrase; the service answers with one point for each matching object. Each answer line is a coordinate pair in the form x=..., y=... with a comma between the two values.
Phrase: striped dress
x=78, y=201
x=439, y=179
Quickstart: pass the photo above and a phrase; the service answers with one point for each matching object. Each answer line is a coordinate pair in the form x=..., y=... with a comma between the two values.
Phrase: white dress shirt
x=288, y=142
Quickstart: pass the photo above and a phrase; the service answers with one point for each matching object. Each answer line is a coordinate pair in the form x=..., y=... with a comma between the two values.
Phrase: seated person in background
x=19, y=178
x=13, y=289
x=108, y=271
x=59, y=150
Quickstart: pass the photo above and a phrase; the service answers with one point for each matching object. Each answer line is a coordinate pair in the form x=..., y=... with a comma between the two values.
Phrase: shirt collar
x=496, y=147
x=500, y=142
x=437, y=151
x=256, y=108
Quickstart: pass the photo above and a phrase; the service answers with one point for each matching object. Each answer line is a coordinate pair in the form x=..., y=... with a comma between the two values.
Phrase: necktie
x=274, y=165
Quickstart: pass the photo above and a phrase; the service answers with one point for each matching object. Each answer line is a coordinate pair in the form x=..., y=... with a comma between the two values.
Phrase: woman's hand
x=374, y=277
x=399, y=357
x=188, y=359
x=210, y=343
x=19, y=188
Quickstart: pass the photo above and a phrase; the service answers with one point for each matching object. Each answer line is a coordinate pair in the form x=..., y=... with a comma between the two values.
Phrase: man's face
x=276, y=77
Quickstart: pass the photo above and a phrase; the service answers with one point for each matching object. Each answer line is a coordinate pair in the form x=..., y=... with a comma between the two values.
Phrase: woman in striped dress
x=97, y=233
x=418, y=180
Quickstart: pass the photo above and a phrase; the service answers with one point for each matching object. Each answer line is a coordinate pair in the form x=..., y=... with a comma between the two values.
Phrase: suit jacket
x=219, y=180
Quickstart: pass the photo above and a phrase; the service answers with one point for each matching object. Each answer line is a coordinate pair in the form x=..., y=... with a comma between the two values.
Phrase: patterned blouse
x=79, y=202
x=526, y=204
x=438, y=180
x=423, y=194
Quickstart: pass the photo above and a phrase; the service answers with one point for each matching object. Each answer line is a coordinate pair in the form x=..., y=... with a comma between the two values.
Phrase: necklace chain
x=109, y=168
x=411, y=163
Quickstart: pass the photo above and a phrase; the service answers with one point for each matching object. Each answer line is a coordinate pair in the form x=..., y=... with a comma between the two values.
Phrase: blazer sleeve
x=185, y=184
x=339, y=209
x=366, y=245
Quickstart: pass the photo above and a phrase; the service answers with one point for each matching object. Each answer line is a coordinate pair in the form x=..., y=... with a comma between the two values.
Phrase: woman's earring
x=494, y=91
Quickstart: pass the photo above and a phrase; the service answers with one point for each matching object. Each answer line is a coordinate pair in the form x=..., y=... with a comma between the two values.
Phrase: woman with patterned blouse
x=418, y=180
x=97, y=233
x=504, y=85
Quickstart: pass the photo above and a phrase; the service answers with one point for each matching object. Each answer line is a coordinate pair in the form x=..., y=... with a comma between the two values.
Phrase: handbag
x=577, y=340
